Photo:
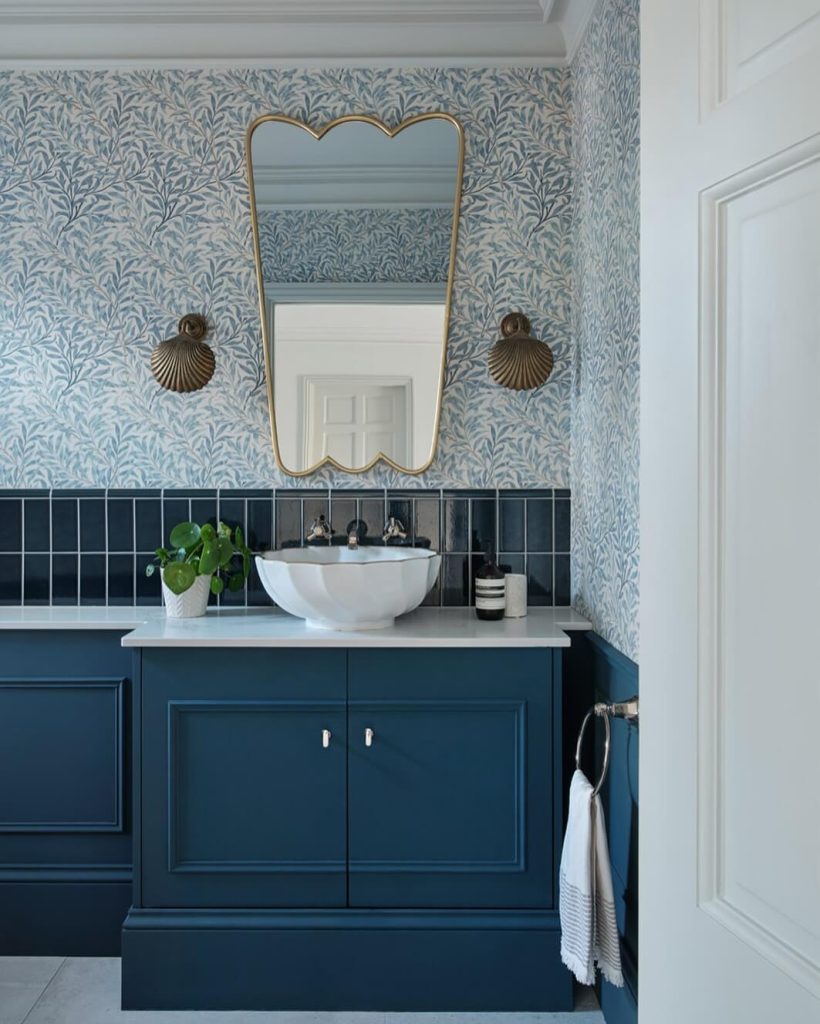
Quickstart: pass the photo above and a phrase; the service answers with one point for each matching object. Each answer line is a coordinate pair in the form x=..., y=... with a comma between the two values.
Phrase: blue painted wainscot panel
x=417, y=873
x=65, y=844
x=596, y=671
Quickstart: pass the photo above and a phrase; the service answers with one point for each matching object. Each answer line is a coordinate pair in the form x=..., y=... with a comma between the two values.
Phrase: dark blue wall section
x=65, y=844
x=598, y=672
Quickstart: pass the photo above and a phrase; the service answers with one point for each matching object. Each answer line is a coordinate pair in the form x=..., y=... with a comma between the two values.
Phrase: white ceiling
x=291, y=32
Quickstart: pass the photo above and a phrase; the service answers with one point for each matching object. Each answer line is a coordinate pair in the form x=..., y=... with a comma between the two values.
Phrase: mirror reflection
x=355, y=232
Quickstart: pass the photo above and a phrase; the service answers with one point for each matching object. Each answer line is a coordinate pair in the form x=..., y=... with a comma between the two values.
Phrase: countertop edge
x=269, y=628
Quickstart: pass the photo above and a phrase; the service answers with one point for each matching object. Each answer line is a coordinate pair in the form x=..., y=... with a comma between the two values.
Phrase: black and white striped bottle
x=490, y=599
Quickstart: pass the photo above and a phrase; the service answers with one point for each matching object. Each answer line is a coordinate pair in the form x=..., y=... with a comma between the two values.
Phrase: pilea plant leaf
x=179, y=576
x=226, y=550
x=217, y=584
x=236, y=582
x=209, y=559
x=185, y=535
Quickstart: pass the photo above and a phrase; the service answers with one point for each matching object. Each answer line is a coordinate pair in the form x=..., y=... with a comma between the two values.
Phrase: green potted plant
x=200, y=560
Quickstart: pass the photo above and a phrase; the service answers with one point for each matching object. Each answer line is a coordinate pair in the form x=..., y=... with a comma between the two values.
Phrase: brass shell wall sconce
x=185, y=362
x=517, y=360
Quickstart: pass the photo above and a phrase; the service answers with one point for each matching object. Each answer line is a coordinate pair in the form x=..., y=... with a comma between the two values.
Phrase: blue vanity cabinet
x=451, y=778
x=410, y=868
x=244, y=783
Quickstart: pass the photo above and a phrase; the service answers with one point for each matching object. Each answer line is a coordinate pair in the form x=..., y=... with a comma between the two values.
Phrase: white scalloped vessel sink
x=336, y=588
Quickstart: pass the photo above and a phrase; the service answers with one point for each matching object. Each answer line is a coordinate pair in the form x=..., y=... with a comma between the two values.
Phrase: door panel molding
x=732, y=711
x=737, y=54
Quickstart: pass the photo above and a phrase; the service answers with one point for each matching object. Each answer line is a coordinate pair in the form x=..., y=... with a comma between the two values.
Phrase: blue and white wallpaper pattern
x=605, y=413
x=124, y=204
x=356, y=245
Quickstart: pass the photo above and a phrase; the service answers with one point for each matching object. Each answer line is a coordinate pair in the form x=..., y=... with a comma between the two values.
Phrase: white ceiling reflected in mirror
x=355, y=229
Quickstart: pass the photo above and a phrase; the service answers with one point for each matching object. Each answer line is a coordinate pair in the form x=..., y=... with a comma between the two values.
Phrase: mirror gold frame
x=318, y=134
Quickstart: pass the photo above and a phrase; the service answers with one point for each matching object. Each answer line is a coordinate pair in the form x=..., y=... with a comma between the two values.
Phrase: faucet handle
x=393, y=528
x=320, y=529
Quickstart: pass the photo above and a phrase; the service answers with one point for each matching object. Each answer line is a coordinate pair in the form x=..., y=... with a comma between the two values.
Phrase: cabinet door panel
x=243, y=803
x=451, y=804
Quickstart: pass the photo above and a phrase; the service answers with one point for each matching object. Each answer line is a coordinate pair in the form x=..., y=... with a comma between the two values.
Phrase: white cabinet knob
x=326, y=734
x=368, y=737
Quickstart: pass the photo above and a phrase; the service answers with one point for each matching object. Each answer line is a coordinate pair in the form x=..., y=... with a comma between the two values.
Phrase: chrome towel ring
x=627, y=709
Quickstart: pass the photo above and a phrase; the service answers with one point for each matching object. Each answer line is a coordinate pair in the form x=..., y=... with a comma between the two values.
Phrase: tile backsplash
x=90, y=547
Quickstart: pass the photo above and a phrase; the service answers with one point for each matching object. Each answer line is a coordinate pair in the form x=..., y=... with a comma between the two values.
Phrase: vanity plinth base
x=344, y=960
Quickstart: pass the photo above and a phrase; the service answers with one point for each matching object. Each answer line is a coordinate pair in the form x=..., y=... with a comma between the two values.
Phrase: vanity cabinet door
x=244, y=778
x=451, y=770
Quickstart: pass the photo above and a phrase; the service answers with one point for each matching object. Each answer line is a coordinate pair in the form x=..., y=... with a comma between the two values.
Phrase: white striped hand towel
x=589, y=932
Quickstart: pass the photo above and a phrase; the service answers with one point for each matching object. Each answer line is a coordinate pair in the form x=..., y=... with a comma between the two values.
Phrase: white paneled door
x=730, y=490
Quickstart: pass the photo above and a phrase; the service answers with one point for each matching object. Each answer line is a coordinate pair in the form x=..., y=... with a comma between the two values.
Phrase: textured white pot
x=190, y=604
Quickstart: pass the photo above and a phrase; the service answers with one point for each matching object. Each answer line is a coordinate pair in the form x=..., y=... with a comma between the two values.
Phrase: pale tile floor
x=75, y=990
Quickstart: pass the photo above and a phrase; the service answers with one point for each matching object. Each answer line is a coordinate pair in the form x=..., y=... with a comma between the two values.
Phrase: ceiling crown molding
x=277, y=33
x=303, y=11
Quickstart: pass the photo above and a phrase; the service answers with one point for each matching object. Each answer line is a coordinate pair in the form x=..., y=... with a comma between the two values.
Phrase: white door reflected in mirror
x=354, y=379
x=355, y=230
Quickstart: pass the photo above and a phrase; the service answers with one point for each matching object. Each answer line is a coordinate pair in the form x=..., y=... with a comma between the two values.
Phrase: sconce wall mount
x=185, y=362
x=517, y=360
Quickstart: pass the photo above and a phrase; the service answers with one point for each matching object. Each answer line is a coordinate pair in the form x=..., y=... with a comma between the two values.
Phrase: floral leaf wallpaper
x=355, y=245
x=605, y=413
x=124, y=204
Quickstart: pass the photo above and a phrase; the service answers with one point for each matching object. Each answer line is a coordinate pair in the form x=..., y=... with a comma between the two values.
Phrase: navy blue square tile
x=232, y=513
x=512, y=524
x=483, y=537
x=539, y=580
x=36, y=579
x=92, y=579
x=65, y=582
x=427, y=523
x=148, y=589
x=11, y=516
x=456, y=525
x=37, y=524
x=148, y=524
x=563, y=526
x=563, y=587
x=174, y=511
x=257, y=595
x=511, y=563
x=121, y=579
x=120, y=524
x=203, y=510
x=260, y=524
x=539, y=524
x=92, y=524
x=343, y=510
x=233, y=599
x=374, y=514
x=562, y=492
x=11, y=579
x=455, y=581
x=64, y=524
x=289, y=522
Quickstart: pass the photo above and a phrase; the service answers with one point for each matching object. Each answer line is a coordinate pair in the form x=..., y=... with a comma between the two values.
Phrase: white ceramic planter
x=190, y=604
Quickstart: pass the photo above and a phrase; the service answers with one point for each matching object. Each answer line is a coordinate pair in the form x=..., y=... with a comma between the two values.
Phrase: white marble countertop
x=86, y=617
x=269, y=627
x=426, y=627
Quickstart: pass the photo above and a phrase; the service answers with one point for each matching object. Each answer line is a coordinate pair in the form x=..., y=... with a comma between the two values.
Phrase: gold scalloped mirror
x=355, y=228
